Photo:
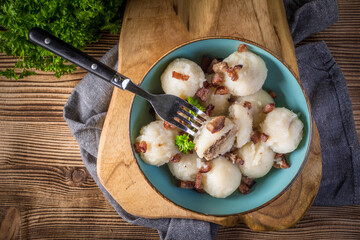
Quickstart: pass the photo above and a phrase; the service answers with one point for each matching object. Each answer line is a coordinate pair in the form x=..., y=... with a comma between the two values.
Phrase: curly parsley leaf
x=196, y=104
x=77, y=22
x=184, y=143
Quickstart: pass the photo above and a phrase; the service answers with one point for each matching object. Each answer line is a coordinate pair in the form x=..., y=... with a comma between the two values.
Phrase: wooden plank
x=72, y=218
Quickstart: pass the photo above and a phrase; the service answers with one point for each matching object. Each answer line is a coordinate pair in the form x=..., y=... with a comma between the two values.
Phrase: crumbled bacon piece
x=206, y=84
x=198, y=181
x=220, y=67
x=232, y=149
x=280, y=161
x=205, y=63
x=247, y=105
x=210, y=68
x=231, y=100
x=216, y=124
x=203, y=93
x=243, y=188
x=264, y=137
x=222, y=90
x=141, y=147
x=176, y=158
x=186, y=184
x=217, y=78
x=234, y=158
x=255, y=136
x=168, y=125
x=248, y=181
x=268, y=107
x=242, y=48
x=205, y=168
x=272, y=94
x=240, y=161
x=209, y=109
x=232, y=74
x=180, y=76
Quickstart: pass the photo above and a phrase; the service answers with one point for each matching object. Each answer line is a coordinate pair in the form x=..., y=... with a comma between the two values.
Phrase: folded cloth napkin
x=325, y=85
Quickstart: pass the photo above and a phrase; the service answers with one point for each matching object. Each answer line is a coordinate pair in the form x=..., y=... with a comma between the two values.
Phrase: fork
x=170, y=108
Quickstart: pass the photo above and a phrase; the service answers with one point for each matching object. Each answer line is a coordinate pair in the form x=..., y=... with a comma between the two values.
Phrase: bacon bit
x=203, y=93
x=264, y=137
x=280, y=161
x=247, y=105
x=242, y=48
x=180, y=76
x=272, y=94
x=217, y=79
x=198, y=181
x=221, y=90
x=232, y=74
x=167, y=125
x=243, y=188
x=235, y=159
x=220, y=67
x=216, y=124
x=140, y=147
x=248, y=181
x=206, y=84
x=205, y=63
x=255, y=136
x=241, y=162
x=230, y=156
x=209, y=109
x=268, y=107
x=213, y=62
x=206, y=168
x=231, y=100
x=233, y=149
x=176, y=158
x=186, y=184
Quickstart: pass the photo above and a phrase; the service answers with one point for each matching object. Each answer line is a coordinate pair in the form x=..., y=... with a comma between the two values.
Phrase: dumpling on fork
x=215, y=137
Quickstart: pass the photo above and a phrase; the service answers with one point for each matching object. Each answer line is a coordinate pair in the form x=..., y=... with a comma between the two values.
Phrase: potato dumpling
x=193, y=78
x=284, y=128
x=251, y=76
x=223, y=178
x=186, y=169
x=258, y=159
x=243, y=122
x=160, y=143
x=209, y=145
x=257, y=101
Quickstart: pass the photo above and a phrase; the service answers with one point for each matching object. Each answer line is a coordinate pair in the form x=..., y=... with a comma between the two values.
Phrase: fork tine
x=187, y=121
x=198, y=120
x=182, y=127
x=195, y=110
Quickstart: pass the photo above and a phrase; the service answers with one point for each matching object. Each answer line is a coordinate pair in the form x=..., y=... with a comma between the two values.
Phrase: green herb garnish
x=196, y=104
x=77, y=22
x=184, y=144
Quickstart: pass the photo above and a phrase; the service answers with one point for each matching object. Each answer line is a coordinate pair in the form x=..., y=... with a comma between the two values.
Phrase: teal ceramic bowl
x=290, y=94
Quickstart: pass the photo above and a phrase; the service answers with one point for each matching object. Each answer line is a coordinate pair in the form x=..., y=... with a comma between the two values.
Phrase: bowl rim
x=306, y=99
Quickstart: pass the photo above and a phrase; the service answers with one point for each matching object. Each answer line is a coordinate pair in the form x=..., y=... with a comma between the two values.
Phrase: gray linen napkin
x=324, y=83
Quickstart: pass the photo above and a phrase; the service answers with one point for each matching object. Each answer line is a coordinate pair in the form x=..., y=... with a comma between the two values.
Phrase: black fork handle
x=48, y=41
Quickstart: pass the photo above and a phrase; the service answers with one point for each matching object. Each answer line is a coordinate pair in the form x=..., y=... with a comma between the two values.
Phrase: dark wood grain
x=40, y=199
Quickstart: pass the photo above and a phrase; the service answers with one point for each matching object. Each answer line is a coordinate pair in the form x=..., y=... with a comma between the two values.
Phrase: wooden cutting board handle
x=150, y=29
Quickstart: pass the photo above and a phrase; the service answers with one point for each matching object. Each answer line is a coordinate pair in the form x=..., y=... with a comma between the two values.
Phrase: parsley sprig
x=77, y=22
x=195, y=103
x=184, y=143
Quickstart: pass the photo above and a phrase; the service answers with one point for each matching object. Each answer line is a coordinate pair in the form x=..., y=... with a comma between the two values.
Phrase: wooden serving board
x=152, y=28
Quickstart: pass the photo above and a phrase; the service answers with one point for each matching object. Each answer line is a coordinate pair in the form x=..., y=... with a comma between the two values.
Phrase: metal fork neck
x=126, y=84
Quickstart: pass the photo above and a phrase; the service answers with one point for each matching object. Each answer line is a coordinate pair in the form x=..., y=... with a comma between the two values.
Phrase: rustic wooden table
x=46, y=192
